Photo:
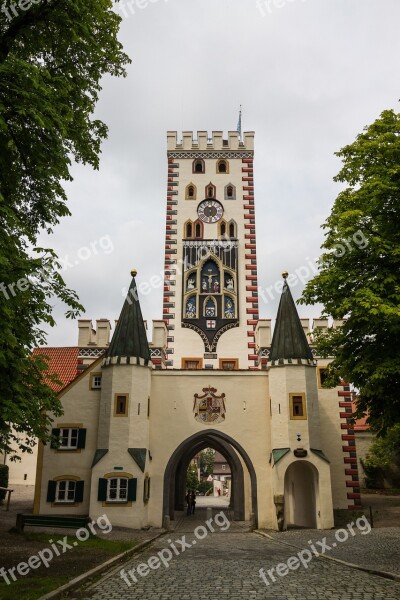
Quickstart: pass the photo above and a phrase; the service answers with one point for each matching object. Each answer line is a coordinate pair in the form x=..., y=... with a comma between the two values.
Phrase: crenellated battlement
x=189, y=140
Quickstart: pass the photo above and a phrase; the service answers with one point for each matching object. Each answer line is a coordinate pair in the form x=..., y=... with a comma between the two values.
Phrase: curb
x=385, y=574
x=78, y=581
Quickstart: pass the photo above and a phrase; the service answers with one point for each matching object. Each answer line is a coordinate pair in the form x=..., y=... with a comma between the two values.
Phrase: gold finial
x=133, y=272
x=285, y=275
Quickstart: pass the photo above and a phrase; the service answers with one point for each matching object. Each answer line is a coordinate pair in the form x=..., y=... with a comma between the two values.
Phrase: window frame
x=69, y=437
x=292, y=397
x=117, y=413
x=57, y=499
x=319, y=378
x=235, y=361
x=188, y=359
x=93, y=376
x=203, y=166
x=118, y=498
x=226, y=163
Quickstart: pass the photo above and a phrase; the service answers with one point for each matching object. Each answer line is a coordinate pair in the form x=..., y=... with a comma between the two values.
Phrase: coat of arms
x=209, y=408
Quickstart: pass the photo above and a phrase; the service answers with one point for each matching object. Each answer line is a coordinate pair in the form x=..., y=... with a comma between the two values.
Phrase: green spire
x=289, y=340
x=129, y=337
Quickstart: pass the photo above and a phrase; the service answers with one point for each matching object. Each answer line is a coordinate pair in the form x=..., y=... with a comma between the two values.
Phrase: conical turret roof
x=130, y=338
x=289, y=340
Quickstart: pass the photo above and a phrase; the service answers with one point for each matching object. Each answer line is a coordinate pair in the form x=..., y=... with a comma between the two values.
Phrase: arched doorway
x=301, y=490
x=175, y=472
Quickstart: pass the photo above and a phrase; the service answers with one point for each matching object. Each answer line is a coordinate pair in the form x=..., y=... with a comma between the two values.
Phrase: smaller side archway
x=301, y=492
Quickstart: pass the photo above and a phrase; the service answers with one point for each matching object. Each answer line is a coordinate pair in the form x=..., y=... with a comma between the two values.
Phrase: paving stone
x=226, y=565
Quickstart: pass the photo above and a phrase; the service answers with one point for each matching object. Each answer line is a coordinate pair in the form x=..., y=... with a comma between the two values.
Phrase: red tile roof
x=360, y=424
x=63, y=362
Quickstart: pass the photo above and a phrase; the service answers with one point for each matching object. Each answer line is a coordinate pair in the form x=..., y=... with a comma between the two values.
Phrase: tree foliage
x=382, y=463
x=52, y=58
x=192, y=479
x=207, y=458
x=359, y=272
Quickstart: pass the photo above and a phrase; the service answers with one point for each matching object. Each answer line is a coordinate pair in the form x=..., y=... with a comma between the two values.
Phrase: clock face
x=210, y=211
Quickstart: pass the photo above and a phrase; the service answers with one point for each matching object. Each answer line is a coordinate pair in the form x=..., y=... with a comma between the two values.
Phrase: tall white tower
x=210, y=288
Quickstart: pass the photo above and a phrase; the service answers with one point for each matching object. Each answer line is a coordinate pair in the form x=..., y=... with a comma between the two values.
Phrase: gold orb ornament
x=285, y=275
x=133, y=272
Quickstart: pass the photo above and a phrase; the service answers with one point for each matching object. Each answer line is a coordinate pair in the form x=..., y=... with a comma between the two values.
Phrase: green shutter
x=79, y=491
x=81, y=438
x=51, y=491
x=56, y=434
x=102, y=491
x=132, y=485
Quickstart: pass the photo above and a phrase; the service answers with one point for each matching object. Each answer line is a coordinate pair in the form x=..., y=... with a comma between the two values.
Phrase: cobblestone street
x=226, y=564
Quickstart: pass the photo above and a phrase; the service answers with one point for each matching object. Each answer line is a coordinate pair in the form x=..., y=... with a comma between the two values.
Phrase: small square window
x=65, y=491
x=117, y=489
x=68, y=438
x=95, y=381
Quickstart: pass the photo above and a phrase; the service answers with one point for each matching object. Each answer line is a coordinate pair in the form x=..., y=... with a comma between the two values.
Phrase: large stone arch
x=175, y=470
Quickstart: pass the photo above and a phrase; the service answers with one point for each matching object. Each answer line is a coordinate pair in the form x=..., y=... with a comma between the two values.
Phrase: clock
x=210, y=211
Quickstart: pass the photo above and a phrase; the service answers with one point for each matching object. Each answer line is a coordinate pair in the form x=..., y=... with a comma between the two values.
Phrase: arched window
x=188, y=229
x=190, y=192
x=232, y=229
x=230, y=192
x=222, y=166
x=198, y=166
x=210, y=190
x=222, y=228
x=198, y=230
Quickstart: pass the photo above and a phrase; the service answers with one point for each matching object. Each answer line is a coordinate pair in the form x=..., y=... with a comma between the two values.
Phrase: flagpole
x=239, y=125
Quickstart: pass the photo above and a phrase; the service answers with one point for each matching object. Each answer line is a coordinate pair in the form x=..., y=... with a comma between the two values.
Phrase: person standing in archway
x=188, y=499
x=193, y=501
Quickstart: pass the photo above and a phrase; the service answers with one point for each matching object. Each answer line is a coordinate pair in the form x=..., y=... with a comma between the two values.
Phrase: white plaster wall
x=172, y=422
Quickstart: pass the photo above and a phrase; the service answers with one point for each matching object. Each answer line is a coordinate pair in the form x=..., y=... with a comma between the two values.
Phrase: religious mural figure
x=190, y=283
x=229, y=284
x=216, y=287
x=229, y=309
x=190, y=312
x=210, y=277
x=204, y=286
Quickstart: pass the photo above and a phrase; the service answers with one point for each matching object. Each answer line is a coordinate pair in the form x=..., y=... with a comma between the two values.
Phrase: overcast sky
x=310, y=75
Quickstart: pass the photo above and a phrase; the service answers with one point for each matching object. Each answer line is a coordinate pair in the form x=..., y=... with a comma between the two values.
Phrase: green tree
x=359, y=272
x=207, y=457
x=192, y=479
x=382, y=463
x=52, y=58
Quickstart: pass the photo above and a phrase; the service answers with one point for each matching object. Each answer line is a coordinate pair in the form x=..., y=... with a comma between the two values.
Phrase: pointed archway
x=175, y=471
